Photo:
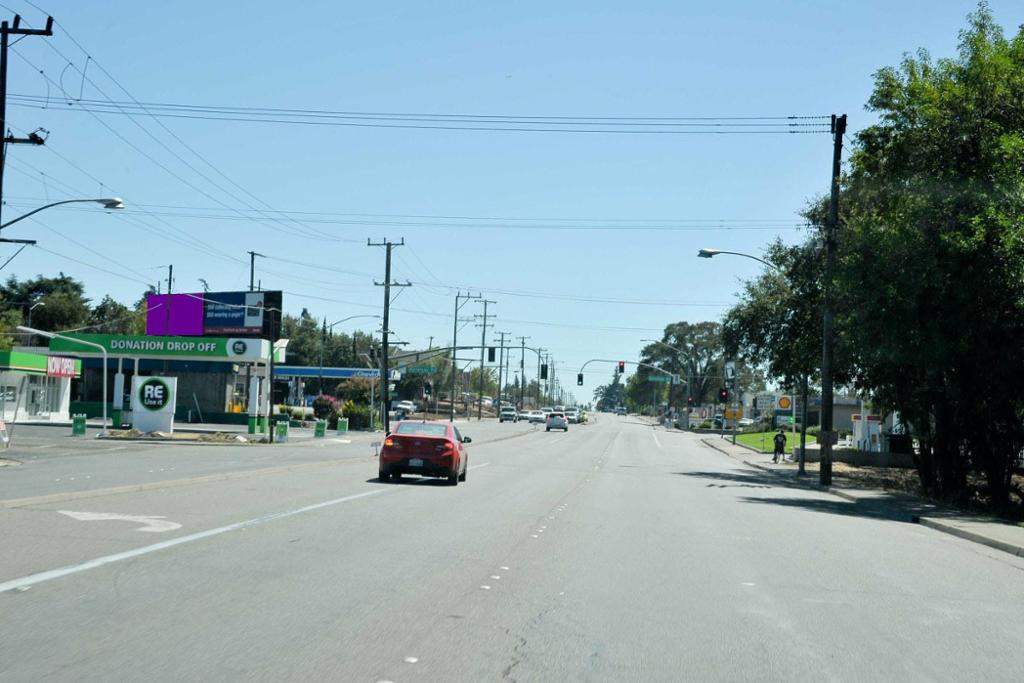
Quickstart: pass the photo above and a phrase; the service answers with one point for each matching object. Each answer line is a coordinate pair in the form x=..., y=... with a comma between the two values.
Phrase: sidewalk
x=977, y=528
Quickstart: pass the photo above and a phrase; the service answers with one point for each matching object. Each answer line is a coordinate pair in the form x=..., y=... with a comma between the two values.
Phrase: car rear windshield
x=557, y=415
x=422, y=429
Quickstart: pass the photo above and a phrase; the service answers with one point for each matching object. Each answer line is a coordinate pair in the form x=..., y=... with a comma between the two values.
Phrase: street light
x=107, y=202
x=103, y=350
x=708, y=253
x=31, y=308
x=323, y=339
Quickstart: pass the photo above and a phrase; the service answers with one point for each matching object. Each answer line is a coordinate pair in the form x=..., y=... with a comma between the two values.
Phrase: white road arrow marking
x=151, y=523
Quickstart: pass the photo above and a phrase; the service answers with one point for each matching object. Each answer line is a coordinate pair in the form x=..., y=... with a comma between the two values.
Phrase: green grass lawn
x=763, y=440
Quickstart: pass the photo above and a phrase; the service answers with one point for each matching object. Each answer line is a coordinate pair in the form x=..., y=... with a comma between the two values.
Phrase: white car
x=405, y=406
x=572, y=416
x=556, y=420
x=535, y=417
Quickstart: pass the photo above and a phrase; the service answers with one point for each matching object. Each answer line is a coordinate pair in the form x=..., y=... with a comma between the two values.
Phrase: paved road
x=616, y=551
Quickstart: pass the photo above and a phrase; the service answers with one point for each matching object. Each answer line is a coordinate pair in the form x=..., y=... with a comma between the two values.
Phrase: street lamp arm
x=352, y=317
x=708, y=253
x=108, y=203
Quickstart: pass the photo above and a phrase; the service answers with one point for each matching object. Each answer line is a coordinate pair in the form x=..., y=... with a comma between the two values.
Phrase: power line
x=821, y=119
x=307, y=234
x=463, y=122
x=501, y=219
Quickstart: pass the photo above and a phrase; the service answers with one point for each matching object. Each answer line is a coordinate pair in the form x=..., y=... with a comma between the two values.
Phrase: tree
x=931, y=272
x=702, y=359
x=777, y=324
x=608, y=396
x=64, y=303
x=112, y=317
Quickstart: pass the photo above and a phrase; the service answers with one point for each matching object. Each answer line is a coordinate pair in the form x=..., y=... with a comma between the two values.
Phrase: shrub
x=324, y=405
x=358, y=415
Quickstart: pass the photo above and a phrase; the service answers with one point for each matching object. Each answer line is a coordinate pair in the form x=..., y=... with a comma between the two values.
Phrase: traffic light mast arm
x=616, y=362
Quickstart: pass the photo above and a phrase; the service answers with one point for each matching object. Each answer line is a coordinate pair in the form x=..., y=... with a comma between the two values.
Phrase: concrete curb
x=930, y=522
x=954, y=530
x=840, y=493
x=168, y=483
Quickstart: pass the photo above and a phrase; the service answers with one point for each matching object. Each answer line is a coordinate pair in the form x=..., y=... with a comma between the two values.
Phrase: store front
x=35, y=387
x=206, y=368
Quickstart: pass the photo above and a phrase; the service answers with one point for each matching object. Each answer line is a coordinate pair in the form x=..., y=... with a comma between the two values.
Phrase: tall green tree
x=62, y=298
x=609, y=395
x=931, y=277
x=777, y=324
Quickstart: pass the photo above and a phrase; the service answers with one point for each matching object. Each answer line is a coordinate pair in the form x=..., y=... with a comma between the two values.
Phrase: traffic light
x=723, y=395
x=490, y=354
x=622, y=367
x=428, y=388
x=579, y=379
x=544, y=371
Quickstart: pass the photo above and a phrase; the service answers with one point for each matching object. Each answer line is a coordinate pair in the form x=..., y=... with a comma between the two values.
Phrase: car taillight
x=391, y=443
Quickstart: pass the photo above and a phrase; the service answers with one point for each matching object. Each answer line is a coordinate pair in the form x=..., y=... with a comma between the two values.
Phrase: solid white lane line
x=49, y=575
x=476, y=467
x=655, y=435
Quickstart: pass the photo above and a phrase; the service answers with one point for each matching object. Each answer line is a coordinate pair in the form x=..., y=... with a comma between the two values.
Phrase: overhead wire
x=736, y=125
x=308, y=234
x=134, y=101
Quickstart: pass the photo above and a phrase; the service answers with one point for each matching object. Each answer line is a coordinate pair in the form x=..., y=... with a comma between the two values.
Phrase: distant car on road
x=620, y=411
x=556, y=420
x=745, y=422
x=508, y=415
x=572, y=416
x=535, y=416
x=405, y=406
x=429, y=449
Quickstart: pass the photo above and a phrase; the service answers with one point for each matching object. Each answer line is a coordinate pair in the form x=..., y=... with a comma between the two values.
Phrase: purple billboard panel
x=184, y=312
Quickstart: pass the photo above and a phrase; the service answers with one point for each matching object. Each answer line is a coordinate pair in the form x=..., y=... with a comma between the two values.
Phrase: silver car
x=556, y=421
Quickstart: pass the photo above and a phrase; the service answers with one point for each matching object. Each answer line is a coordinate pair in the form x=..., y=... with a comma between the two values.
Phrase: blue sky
x=646, y=59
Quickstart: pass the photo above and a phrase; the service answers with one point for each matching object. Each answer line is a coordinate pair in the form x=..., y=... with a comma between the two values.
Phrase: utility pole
x=508, y=357
x=6, y=31
x=252, y=267
x=501, y=367
x=387, y=285
x=483, y=345
x=828, y=437
x=522, y=371
x=455, y=346
x=167, y=312
x=539, y=354
x=323, y=341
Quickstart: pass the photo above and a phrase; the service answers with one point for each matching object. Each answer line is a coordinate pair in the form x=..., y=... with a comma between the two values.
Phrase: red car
x=429, y=449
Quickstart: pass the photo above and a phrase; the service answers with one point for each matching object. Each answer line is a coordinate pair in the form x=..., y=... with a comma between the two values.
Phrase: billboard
x=214, y=314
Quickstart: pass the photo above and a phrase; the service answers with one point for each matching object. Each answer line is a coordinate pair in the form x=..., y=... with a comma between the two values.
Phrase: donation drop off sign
x=153, y=401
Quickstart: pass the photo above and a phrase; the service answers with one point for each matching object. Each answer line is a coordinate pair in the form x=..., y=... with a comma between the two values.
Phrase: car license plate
x=415, y=462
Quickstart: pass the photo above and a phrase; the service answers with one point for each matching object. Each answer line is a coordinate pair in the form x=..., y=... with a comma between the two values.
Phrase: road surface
x=616, y=551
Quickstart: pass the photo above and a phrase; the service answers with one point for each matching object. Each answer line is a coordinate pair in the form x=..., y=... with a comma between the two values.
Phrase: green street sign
x=420, y=370
x=664, y=379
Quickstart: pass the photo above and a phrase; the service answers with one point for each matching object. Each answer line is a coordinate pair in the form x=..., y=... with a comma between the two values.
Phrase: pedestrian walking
x=780, y=446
